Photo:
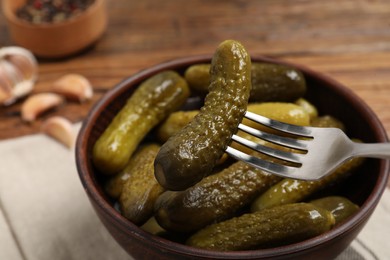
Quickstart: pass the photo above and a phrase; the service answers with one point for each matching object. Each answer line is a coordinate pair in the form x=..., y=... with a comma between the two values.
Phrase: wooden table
x=348, y=40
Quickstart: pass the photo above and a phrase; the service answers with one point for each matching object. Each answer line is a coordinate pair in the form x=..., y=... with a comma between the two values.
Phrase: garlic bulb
x=18, y=73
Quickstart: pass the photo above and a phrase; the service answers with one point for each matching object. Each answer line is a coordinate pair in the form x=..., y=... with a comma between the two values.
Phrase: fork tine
x=276, y=139
x=284, y=127
x=279, y=154
x=267, y=166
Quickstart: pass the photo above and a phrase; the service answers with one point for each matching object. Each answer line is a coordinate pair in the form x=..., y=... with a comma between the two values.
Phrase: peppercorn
x=51, y=11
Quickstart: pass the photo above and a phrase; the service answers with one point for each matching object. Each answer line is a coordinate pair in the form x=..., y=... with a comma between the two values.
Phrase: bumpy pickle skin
x=151, y=102
x=142, y=156
x=341, y=207
x=292, y=191
x=141, y=189
x=268, y=228
x=214, y=198
x=194, y=151
x=270, y=82
x=281, y=111
x=113, y=187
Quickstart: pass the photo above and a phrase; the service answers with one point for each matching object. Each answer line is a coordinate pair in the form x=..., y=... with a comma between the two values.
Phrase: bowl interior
x=363, y=188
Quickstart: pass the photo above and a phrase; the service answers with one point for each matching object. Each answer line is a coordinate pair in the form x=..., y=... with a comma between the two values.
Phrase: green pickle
x=113, y=187
x=141, y=190
x=174, y=123
x=198, y=77
x=151, y=226
x=270, y=82
x=184, y=188
x=194, y=151
x=274, y=82
x=142, y=156
x=291, y=190
x=151, y=102
x=267, y=228
x=341, y=207
x=216, y=197
x=281, y=111
x=327, y=121
x=310, y=109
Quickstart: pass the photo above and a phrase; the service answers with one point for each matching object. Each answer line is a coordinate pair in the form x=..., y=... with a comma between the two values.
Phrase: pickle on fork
x=193, y=152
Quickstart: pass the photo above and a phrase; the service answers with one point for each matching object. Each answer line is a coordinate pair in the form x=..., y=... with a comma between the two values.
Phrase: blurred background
x=348, y=40
x=48, y=214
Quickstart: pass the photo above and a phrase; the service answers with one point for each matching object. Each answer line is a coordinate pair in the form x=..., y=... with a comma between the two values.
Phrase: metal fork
x=324, y=149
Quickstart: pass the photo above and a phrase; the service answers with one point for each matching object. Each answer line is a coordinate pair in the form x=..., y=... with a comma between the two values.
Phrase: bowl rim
x=167, y=245
x=12, y=18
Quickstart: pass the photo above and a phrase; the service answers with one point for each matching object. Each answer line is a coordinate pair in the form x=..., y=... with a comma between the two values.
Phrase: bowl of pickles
x=151, y=157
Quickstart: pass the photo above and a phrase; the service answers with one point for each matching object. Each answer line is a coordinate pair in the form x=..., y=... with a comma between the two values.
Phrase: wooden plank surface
x=348, y=40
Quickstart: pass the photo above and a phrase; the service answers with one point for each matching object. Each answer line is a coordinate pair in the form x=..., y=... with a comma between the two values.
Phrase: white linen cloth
x=45, y=213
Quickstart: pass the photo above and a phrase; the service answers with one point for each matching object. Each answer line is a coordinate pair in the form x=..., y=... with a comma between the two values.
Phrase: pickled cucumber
x=291, y=191
x=154, y=99
x=214, y=198
x=141, y=189
x=308, y=107
x=341, y=207
x=174, y=123
x=113, y=187
x=281, y=111
x=151, y=226
x=270, y=82
x=267, y=228
x=328, y=121
x=274, y=82
x=194, y=151
x=198, y=77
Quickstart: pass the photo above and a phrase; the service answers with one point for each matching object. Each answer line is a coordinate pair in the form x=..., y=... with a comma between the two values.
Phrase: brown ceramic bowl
x=60, y=39
x=364, y=188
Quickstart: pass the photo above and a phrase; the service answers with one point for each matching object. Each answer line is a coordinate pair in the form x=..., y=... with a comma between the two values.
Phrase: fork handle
x=374, y=150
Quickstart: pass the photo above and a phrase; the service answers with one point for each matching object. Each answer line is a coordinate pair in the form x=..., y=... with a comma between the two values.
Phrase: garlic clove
x=36, y=104
x=25, y=65
x=19, y=68
x=60, y=129
x=6, y=95
x=74, y=87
